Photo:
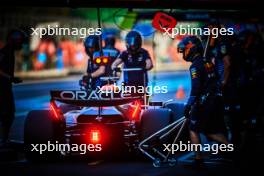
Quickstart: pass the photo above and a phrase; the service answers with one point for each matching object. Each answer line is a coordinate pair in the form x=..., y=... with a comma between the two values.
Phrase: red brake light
x=136, y=111
x=55, y=110
x=95, y=136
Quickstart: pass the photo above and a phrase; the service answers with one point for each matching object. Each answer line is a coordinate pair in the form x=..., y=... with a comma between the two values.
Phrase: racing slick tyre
x=177, y=113
x=176, y=108
x=153, y=120
x=42, y=129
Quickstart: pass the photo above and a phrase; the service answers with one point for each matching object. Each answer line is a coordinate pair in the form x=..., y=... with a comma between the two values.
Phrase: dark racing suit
x=205, y=100
x=7, y=104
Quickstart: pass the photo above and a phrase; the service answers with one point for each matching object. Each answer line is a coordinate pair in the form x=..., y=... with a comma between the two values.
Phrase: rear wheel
x=176, y=108
x=153, y=120
x=177, y=113
x=42, y=129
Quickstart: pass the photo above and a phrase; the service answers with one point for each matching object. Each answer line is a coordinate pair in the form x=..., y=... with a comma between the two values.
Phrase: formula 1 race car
x=107, y=121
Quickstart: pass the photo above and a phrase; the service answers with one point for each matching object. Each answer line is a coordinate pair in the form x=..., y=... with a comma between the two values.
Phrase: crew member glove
x=116, y=69
x=87, y=76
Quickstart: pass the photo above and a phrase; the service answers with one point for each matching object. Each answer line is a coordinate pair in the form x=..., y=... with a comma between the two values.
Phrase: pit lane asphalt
x=115, y=168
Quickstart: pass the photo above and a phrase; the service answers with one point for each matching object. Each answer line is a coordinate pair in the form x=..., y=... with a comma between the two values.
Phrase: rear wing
x=90, y=98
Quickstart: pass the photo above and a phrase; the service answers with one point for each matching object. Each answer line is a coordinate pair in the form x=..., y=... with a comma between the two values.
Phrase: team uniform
x=91, y=45
x=205, y=105
x=206, y=114
x=7, y=105
x=135, y=60
x=92, y=66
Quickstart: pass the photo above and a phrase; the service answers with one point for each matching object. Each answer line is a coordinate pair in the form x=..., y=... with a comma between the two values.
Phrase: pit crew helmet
x=110, y=41
x=91, y=44
x=190, y=46
x=133, y=41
